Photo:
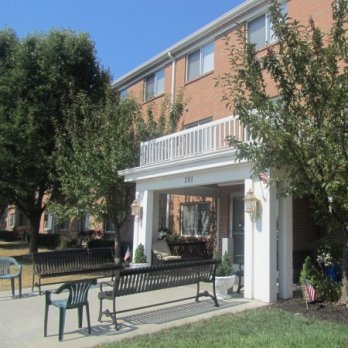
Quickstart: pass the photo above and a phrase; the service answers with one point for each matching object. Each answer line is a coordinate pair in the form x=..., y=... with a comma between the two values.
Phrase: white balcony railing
x=198, y=140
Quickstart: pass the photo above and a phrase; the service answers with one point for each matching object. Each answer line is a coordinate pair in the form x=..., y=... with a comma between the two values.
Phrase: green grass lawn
x=264, y=327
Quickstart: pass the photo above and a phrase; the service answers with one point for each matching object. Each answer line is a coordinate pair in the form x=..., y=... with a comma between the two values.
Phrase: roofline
x=167, y=54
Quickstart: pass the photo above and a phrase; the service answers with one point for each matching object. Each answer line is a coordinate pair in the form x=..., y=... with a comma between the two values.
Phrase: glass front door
x=237, y=219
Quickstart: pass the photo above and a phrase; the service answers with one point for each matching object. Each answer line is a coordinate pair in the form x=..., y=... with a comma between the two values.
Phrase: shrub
x=139, y=255
x=225, y=267
x=326, y=289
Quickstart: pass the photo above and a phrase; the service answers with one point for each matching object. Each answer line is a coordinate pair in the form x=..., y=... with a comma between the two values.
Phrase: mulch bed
x=322, y=311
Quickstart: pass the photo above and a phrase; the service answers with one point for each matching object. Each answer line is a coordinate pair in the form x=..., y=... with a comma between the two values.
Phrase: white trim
x=215, y=28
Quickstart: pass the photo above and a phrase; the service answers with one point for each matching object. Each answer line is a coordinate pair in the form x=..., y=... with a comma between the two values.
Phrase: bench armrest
x=106, y=284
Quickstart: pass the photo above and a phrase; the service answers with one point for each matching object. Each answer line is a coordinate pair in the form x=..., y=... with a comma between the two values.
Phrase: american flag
x=127, y=255
x=264, y=178
x=312, y=294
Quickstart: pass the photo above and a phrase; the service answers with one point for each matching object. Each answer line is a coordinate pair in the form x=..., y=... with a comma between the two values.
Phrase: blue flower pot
x=331, y=272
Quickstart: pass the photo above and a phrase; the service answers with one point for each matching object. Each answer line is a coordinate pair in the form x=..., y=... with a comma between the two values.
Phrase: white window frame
x=201, y=69
x=158, y=87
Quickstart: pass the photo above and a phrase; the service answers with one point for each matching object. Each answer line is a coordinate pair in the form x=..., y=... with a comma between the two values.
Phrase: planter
x=139, y=265
x=223, y=284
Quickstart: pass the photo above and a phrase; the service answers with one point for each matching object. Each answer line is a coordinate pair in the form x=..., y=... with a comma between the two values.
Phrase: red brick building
x=195, y=169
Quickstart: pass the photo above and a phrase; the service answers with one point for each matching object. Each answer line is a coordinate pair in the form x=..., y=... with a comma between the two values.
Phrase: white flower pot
x=139, y=265
x=223, y=284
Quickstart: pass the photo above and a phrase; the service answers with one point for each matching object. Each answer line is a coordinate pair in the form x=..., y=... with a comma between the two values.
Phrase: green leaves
x=304, y=132
x=40, y=77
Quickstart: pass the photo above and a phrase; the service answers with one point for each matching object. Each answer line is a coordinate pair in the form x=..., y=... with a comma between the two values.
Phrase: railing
x=194, y=141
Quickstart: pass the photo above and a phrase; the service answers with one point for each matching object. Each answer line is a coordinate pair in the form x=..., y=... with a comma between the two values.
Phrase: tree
x=101, y=140
x=303, y=134
x=40, y=77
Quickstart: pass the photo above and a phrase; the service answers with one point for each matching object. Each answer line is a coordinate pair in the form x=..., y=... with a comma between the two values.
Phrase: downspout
x=172, y=100
x=172, y=91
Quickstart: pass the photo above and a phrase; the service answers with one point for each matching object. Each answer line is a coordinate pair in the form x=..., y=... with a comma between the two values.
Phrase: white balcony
x=192, y=142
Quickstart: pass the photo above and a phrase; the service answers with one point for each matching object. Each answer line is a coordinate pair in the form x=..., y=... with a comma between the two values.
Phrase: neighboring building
x=195, y=168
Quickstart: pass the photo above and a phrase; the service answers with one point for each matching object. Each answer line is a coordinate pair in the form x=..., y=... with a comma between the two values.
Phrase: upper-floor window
x=154, y=85
x=200, y=62
x=123, y=93
x=260, y=30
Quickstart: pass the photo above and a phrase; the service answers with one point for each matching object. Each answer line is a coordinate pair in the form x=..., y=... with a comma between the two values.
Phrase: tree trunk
x=117, y=245
x=344, y=296
x=34, y=219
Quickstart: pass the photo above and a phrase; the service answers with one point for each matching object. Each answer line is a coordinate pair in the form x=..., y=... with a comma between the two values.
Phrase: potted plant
x=139, y=258
x=224, y=277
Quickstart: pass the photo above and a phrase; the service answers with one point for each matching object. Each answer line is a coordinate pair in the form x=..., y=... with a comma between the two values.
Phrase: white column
x=144, y=224
x=285, y=246
x=265, y=244
x=248, y=249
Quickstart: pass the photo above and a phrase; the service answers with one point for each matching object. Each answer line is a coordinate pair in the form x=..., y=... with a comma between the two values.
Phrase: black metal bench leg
x=214, y=296
x=114, y=313
x=197, y=295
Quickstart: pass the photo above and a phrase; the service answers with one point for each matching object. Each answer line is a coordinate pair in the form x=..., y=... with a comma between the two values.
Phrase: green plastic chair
x=11, y=269
x=77, y=298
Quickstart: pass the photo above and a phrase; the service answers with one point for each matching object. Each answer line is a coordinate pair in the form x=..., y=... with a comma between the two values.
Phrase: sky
x=126, y=33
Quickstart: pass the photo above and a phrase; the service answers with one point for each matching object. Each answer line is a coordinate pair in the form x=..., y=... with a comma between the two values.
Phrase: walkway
x=21, y=320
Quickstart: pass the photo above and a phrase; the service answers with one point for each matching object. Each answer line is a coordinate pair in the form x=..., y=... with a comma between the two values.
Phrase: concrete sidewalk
x=21, y=320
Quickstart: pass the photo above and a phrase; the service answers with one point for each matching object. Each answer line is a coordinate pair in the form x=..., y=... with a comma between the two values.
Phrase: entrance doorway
x=237, y=227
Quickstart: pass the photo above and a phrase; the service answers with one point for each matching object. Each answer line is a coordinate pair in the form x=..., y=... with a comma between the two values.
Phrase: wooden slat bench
x=130, y=281
x=72, y=261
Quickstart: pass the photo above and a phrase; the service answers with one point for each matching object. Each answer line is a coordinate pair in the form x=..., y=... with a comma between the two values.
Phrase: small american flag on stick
x=311, y=292
x=264, y=178
x=127, y=255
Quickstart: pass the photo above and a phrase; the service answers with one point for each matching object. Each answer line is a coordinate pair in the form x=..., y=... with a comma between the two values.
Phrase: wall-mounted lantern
x=250, y=203
x=135, y=208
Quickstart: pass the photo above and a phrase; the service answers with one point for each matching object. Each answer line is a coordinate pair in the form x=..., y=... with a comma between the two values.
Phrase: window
x=84, y=223
x=200, y=62
x=195, y=219
x=260, y=31
x=123, y=93
x=64, y=225
x=154, y=85
x=48, y=221
x=11, y=220
x=109, y=226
